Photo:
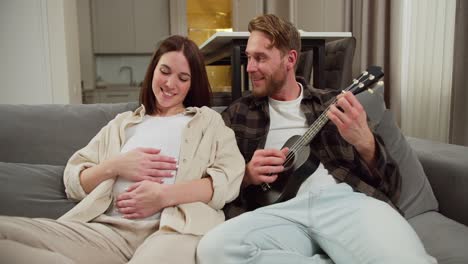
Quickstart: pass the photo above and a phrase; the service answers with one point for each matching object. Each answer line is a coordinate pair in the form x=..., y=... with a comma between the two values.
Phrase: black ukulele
x=300, y=162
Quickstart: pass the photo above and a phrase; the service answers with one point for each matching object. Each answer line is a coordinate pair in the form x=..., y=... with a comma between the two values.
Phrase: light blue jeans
x=334, y=222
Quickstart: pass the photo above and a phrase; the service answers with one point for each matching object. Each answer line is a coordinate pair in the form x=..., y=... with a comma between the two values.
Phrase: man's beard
x=272, y=84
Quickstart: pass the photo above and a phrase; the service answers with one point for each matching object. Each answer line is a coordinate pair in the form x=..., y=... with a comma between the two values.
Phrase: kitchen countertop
x=117, y=87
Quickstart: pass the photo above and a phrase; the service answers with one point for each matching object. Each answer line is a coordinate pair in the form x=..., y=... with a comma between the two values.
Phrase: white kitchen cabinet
x=128, y=26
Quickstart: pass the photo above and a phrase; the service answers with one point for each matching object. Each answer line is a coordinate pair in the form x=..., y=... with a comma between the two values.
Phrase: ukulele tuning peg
x=371, y=77
x=355, y=81
x=365, y=73
x=380, y=83
x=361, y=85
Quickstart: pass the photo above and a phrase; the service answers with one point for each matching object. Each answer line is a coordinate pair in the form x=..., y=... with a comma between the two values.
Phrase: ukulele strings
x=297, y=145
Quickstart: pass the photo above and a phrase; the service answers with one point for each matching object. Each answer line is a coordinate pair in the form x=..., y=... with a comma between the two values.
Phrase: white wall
x=308, y=15
x=243, y=11
x=23, y=49
x=320, y=15
x=87, y=63
x=278, y=7
x=39, y=51
x=64, y=51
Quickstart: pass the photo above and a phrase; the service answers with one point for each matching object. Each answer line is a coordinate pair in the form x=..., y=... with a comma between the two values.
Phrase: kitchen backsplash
x=108, y=68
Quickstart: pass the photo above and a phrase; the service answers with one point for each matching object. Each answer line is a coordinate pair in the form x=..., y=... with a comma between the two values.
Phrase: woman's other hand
x=142, y=199
x=145, y=198
x=145, y=164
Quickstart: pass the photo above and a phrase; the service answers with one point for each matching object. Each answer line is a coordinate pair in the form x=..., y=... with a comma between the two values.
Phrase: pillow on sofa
x=417, y=196
x=373, y=103
x=32, y=190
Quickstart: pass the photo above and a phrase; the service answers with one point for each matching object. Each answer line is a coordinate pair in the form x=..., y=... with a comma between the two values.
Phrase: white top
x=287, y=120
x=164, y=133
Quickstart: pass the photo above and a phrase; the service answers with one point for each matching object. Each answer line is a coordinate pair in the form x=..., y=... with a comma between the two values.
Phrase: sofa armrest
x=446, y=167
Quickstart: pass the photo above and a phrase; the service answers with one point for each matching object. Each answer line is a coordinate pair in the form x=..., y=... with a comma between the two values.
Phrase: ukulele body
x=299, y=167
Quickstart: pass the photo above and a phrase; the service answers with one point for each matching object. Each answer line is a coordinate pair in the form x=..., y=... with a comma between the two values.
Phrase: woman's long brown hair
x=199, y=93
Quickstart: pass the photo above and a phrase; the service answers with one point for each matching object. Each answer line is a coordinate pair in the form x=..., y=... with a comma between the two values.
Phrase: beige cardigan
x=208, y=149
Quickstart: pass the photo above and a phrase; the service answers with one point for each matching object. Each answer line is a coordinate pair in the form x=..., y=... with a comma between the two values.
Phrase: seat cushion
x=417, y=196
x=443, y=238
x=32, y=190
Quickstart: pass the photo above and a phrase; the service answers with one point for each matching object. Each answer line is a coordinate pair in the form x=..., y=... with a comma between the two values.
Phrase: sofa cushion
x=373, y=103
x=416, y=195
x=50, y=134
x=442, y=237
x=32, y=190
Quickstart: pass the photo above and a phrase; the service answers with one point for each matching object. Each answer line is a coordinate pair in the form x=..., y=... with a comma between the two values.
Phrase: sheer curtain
x=427, y=47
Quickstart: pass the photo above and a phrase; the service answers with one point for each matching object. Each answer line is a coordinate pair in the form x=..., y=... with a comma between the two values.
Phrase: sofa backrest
x=50, y=134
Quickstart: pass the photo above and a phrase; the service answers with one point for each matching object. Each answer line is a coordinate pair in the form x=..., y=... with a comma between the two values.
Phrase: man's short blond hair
x=282, y=34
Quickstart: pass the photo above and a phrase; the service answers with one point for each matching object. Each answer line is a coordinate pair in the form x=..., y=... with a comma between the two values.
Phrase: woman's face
x=171, y=83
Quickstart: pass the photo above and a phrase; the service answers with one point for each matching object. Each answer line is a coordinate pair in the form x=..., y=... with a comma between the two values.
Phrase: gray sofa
x=36, y=141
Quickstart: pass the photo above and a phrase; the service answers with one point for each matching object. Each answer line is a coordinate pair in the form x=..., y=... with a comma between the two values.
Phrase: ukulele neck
x=316, y=126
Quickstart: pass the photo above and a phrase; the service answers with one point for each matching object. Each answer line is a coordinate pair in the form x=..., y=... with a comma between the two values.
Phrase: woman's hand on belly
x=145, y=164
x=142, y=199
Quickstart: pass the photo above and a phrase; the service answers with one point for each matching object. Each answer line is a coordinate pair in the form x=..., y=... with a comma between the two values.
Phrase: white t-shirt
x=287, y=120
x=164, y=133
